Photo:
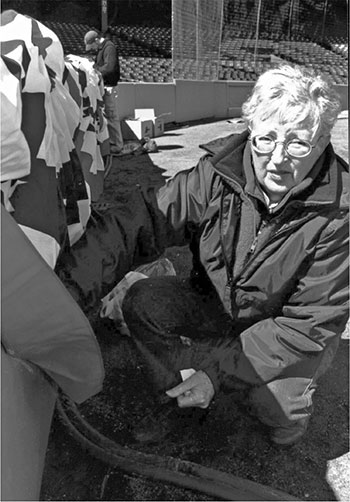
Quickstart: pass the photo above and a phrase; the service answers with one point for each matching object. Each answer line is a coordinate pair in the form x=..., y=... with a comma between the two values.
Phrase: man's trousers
x=110, y=98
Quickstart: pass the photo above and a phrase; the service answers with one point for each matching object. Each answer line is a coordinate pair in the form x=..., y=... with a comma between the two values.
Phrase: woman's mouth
x=278, y=175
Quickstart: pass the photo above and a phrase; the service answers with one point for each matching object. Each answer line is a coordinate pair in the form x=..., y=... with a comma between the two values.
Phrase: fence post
x=104, y=15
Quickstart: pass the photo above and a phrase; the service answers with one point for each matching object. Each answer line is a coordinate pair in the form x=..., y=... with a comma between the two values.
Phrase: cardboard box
x=143, y=124
x=137, y=128
x=157, y=120
x=158, y=126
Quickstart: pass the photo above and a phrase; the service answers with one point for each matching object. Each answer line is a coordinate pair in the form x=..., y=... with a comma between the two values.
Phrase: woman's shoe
x=286, y=436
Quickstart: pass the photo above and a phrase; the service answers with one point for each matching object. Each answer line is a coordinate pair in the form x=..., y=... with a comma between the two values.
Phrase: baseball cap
x=89, y=39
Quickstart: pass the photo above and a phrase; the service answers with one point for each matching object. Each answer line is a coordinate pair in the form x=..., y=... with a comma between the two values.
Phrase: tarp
x=114, y=242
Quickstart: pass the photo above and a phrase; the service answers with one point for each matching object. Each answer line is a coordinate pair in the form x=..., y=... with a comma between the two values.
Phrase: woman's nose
x=279, y=154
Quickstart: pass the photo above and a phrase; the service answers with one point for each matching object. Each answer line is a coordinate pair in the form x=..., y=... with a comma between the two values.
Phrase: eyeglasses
x=295, y=147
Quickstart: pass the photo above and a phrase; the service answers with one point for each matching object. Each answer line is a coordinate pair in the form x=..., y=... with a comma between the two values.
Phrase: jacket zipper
x=228, y=266
x=256, y=238
x=229, y=275
x=273, y=237
x=226, y=262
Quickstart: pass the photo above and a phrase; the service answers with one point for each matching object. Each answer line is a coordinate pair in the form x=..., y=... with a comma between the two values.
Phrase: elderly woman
x=266, y=216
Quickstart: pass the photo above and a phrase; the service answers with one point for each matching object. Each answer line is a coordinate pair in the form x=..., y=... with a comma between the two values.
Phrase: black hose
x=221, y=485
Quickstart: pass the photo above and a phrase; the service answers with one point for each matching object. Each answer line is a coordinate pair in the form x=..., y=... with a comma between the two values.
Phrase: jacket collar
x=227, y=156
x=231, y=158
x=103, y=43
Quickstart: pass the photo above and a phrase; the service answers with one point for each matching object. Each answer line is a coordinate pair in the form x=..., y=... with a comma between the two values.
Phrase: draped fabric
x=53, y=134
x=91, y=137
x=92, y=122
x=45, y=104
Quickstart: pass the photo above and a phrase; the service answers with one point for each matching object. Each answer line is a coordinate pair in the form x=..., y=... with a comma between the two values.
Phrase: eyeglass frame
x=283, y=143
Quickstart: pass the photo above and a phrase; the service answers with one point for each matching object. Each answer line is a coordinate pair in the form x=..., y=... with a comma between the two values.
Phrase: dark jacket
x=107, y=62
x=282, y=275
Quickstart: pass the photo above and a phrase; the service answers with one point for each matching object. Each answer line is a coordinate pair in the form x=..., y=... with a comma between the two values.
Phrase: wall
x=187, y=100
x=343, y=91
x=237, y=93
x=161, y=97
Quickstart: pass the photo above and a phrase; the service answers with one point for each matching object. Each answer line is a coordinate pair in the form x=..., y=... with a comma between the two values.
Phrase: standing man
x=107, y=63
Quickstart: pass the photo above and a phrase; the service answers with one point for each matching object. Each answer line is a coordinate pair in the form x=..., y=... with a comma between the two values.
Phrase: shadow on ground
x=228, y=440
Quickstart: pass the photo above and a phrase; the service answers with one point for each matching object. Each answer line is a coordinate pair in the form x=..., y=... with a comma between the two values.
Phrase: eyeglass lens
x=295, y=147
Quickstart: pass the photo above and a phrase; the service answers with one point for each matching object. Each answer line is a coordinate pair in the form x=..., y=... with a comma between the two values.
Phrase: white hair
x=296, y=95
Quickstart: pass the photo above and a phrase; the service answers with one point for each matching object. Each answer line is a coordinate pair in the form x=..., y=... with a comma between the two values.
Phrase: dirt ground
x=315, y=469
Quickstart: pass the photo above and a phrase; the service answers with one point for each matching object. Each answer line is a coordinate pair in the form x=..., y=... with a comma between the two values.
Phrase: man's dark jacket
x=107, y=62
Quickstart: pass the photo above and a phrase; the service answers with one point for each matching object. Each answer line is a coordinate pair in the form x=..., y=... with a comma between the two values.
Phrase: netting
x=210, y=39
x=196, y=36
x=239, y=39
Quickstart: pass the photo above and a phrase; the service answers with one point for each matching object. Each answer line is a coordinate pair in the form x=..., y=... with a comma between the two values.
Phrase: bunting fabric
x=51, y=124
x=91, y=138
x=92, y=124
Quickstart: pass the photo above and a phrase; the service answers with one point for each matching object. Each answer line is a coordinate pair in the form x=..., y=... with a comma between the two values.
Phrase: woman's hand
x=195, y=391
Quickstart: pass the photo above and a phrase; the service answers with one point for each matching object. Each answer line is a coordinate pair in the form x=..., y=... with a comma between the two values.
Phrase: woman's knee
x=135, y=299
x=283, y=401
x=150, y=300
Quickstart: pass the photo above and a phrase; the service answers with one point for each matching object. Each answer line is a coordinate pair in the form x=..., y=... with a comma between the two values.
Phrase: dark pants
x=175, y=327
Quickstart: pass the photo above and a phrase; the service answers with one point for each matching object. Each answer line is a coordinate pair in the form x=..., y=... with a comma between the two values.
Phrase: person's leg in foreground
x=176, y=328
